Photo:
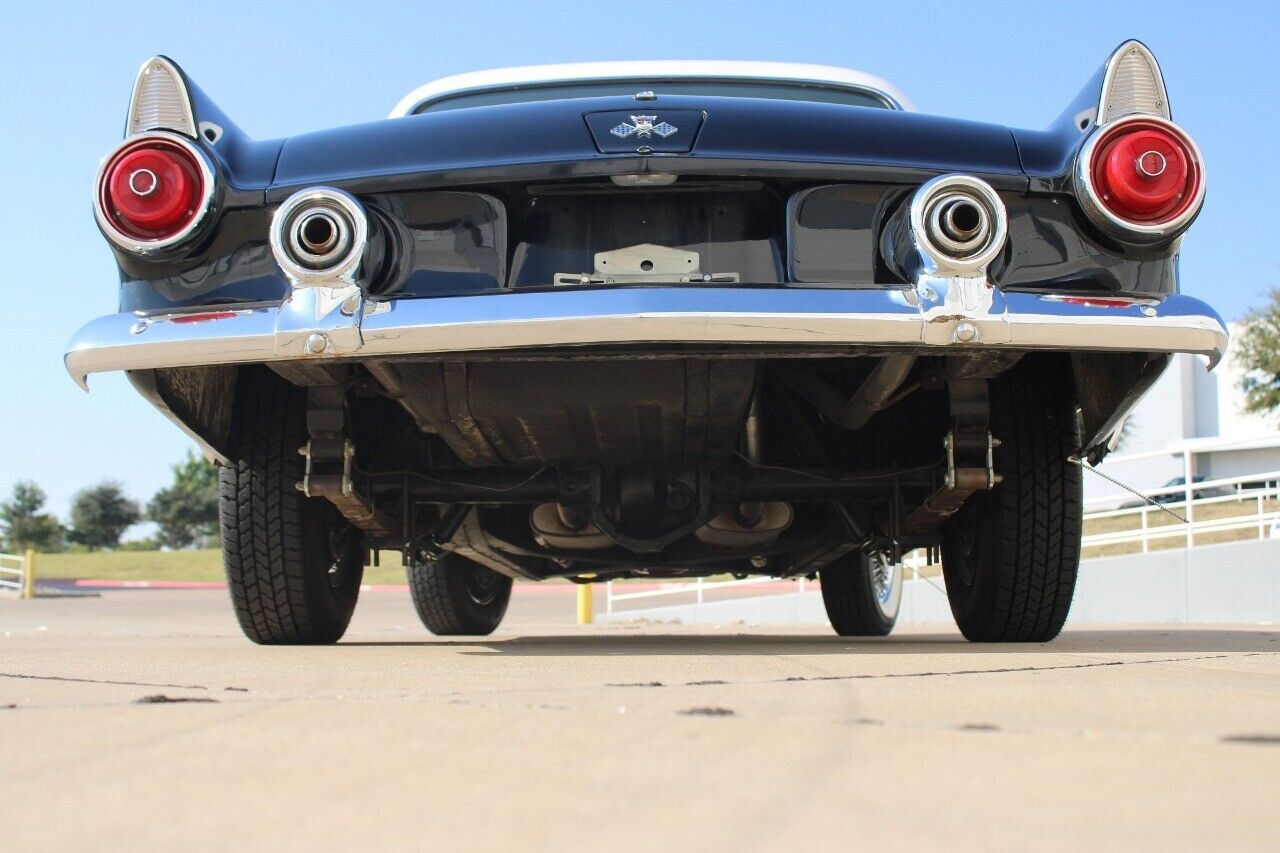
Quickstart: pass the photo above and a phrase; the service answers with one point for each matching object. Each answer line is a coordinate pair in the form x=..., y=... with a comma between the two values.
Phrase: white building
x=1193, y=412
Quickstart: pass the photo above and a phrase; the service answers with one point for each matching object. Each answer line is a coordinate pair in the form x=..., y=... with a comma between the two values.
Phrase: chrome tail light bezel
x=204, y=206
x=1091, y=200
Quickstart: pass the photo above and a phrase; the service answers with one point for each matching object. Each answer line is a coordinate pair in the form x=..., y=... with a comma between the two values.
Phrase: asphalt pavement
x=143, y=720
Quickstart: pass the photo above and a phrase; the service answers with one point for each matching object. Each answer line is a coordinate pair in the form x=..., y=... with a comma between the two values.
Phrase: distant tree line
x=1258, y=347
x=185, y=513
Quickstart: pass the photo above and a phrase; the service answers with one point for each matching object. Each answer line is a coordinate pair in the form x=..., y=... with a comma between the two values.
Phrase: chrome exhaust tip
x=957, y=224
x=319, y=236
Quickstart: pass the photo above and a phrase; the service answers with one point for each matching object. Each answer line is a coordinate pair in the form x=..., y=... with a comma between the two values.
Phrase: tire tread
x=262, y=521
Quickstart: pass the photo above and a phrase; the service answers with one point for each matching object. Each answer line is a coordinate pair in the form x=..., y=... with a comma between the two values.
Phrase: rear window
x=710, y=88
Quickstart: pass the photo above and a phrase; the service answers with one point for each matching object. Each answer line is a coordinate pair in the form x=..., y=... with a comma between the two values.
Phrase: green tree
x=1258, y=349
x=22, y=522
x=187, y=511
x=100, y=515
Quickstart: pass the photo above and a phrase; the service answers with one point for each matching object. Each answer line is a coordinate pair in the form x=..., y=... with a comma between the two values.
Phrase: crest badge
x=643, y=127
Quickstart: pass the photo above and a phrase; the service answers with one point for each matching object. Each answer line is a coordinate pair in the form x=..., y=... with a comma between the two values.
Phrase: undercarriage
x=660, y=465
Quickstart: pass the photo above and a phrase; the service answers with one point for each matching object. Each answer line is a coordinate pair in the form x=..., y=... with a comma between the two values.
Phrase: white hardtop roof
x=506, y=78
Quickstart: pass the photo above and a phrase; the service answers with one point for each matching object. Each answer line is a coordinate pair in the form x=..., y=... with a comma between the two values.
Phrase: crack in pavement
x=867, y=676
x=412, y=694
x=1006, y=669
x=100, y=681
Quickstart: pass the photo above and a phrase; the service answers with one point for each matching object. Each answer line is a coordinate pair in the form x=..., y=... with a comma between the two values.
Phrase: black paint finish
x=460, y=188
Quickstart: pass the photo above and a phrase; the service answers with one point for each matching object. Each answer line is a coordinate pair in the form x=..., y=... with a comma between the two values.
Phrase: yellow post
x=585, y=600
x=29, y=574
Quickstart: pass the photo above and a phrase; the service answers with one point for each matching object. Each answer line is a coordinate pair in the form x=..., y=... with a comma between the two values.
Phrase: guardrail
x=1260, y=518
x=15, y=574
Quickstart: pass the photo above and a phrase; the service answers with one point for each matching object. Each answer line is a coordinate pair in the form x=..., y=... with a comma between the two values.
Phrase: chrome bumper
x=315, y=323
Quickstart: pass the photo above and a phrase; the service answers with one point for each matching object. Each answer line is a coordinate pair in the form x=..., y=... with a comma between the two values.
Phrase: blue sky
x=281, y=68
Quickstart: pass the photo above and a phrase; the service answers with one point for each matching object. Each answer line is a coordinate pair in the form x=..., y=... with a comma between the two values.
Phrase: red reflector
x=206, y=317
x=1145, y=172
x=1097, y=301
x=152, y=190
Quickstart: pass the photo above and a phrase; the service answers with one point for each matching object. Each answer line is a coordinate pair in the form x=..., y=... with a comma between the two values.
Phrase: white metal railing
x=1242, y=486
x=1178, y=518
x=698, y=588
x=13, y=573
x=701, y=587
x=1259, y=518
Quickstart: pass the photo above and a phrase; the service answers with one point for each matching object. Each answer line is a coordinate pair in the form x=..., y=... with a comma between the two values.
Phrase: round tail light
x=153, y=191
x=1141, y=177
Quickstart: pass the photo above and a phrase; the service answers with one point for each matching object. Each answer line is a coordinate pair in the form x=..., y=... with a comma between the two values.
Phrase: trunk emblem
x=643, y=127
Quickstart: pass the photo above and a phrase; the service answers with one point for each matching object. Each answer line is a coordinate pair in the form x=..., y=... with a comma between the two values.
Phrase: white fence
x=13, y=573
x=1155, y=524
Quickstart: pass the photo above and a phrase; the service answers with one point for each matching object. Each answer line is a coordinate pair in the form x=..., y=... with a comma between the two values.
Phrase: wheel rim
x=886, y=583
x=342, y=537
x=481, y=584
x=965, y=536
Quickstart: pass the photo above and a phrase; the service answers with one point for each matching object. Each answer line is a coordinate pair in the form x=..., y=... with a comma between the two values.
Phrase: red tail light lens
x=1143, y=175
x=152, y=191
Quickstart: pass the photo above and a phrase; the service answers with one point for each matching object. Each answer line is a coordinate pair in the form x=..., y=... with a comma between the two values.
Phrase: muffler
x=556, y=526
x=734, y=529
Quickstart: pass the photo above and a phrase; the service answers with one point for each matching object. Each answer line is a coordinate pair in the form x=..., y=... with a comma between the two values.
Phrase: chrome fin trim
x=160, y=100
x=1133, y=85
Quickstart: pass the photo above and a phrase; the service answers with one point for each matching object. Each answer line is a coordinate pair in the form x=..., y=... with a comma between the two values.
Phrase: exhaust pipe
x=320, y=236
x=877, y=392
x=959, y=224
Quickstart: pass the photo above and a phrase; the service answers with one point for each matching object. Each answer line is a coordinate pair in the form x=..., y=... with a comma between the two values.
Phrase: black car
x=660, y=319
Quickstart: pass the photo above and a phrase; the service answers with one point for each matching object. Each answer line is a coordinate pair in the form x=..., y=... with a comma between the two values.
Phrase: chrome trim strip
x=892, y=316
x=654, y=71
x=137, y=245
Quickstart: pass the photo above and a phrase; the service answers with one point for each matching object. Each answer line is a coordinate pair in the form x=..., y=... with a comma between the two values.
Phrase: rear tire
x=1010, y=555
x=862, y=595
x=293, y=563
x=456, y=597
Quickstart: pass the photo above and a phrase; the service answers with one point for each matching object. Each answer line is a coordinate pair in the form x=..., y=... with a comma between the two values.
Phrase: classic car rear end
x=651, y=319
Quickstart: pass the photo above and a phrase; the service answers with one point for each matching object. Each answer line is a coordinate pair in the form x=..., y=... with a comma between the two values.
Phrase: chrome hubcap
x=882, y=578
x=886, y=583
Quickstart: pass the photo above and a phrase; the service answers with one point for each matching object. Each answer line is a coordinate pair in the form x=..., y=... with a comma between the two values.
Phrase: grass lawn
x=170, y=566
